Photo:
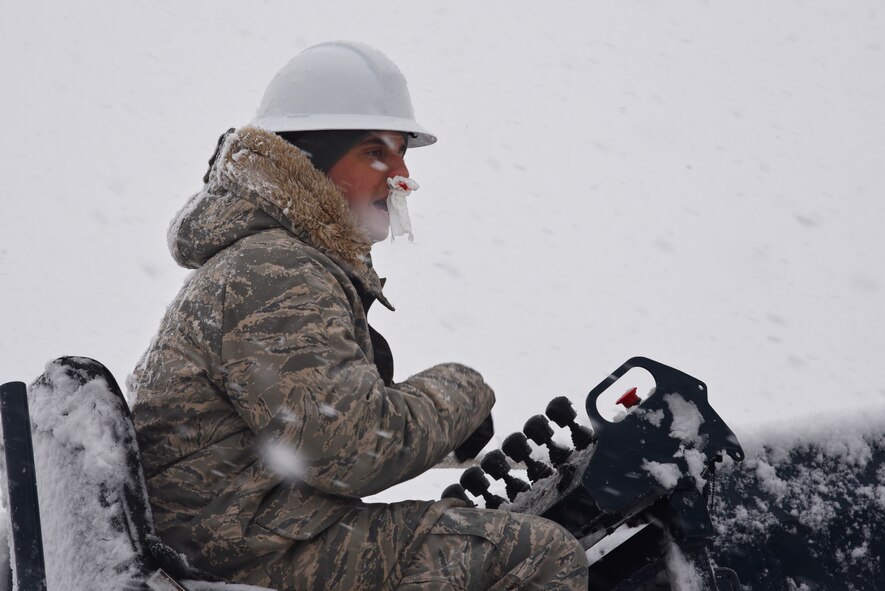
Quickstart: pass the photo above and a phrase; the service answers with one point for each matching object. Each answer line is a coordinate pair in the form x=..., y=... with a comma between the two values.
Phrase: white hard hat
x=340, y=85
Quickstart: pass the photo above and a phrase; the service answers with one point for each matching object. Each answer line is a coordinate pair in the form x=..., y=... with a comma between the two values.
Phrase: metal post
x=21, y=480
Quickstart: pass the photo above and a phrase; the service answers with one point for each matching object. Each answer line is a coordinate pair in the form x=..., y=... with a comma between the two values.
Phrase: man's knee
x=502, y=550
x=570, y=548
x=562, y=553
x=541, y=554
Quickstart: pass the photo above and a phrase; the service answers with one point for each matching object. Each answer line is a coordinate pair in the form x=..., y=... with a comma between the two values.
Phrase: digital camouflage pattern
x=498, y=551
x=261, y=415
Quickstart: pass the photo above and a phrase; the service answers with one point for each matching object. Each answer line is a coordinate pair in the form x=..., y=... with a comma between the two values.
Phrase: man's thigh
x=489, y=549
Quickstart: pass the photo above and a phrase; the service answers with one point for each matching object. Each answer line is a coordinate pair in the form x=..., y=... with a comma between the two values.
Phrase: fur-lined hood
x=260, y=181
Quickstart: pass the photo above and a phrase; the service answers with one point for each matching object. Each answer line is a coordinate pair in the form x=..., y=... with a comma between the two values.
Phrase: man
x=266, y=406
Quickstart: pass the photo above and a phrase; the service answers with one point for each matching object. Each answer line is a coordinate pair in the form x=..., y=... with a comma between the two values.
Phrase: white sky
x=697, y=182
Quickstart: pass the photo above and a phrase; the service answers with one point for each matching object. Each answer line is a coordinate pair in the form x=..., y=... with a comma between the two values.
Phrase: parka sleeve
x=293, y=368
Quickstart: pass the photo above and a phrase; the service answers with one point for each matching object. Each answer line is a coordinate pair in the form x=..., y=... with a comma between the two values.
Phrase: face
x=362, y=175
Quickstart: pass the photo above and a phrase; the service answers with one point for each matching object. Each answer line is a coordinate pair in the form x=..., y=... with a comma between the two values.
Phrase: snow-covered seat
x=97, y=528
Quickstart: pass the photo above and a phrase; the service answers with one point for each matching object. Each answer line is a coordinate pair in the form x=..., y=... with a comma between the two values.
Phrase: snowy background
x=697, y=182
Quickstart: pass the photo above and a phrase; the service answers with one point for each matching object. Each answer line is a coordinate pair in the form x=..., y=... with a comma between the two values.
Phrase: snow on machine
x=650, y=473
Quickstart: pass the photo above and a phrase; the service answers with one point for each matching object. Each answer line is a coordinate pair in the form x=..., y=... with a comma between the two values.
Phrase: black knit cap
x=324, y=147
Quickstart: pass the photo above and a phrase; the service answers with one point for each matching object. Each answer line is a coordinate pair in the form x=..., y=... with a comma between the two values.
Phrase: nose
x=397, y=166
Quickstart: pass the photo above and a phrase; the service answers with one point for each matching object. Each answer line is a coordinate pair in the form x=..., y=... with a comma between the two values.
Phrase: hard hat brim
x=420, y=136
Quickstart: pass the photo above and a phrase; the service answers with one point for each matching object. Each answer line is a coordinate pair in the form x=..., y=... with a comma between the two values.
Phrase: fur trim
x=282, y=181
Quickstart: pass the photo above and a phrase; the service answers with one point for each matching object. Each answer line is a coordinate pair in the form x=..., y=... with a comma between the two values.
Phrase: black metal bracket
x=21, y=480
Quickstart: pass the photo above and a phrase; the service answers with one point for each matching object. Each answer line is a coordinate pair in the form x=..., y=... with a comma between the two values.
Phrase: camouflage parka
x=262, y=418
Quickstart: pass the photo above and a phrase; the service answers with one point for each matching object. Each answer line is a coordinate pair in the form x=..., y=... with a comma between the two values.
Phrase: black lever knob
x=561, y=412
x=517, y=447
x=474, y=480
x=538, y=430
x=495, y=464
x=456, y=491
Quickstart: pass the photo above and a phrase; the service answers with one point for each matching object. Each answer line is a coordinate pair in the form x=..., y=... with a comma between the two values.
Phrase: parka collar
x=259, y=181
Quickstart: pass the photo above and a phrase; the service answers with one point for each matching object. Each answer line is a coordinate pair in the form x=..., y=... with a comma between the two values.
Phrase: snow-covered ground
x=698, y=182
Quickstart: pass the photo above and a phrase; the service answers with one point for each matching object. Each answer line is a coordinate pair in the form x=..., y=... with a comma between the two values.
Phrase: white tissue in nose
x=400, y=188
